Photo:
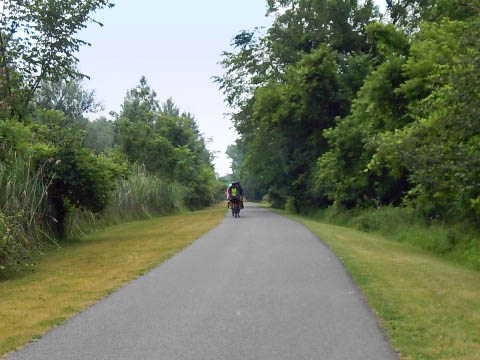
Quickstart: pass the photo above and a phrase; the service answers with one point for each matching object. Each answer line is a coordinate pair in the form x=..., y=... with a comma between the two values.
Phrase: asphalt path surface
x=258, y=287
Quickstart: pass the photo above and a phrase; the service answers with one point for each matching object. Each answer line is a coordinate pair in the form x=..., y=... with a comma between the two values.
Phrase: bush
x=23, y=211
x=291, y=205
x=266, y=198
x=220, y=188
x=276, y=200
x=14, y=243
x=140, y=195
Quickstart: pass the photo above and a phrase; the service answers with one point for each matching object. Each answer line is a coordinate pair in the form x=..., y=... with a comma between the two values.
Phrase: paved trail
x=259, y=287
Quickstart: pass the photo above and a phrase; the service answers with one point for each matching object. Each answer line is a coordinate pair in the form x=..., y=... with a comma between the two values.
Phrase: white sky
x=176, y=45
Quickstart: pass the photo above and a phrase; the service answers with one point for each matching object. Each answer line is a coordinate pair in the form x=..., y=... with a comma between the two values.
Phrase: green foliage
x=56, y=129
x=291, y=206
x=288, y=85
x=459, y=242
x=407, y=13
x=137, y=196
x=276, y=200
x=301, y=26
x=248, y=67
x=289, y=119
x=342, y=172
x=220, y=187
x=463, y=10
x=236, y=153
x=199, y=179
x=167, y=143
x=14, y=138
x=251, y=186
x=60, y=173
x=14, y=246
x=57, y=168
x=440, y=150
x=69, y=97
x=82, y=180
x=387, y=41
x=100, y=135
x=141, y=104
x=23, y=211
x=141, y=143
x=38, y=42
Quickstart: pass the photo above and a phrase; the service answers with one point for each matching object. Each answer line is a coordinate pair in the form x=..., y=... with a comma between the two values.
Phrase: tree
x=38, y=42
x=236, y=153
x=440, y=149
x=288, y=121
x=342, y=172
x=288, y=83
x=409, y=14
x=76, y=176
x=100, y=135
x=170, y=109
x=301, y=26
x=69, y=97
x=141, y=104
x=141, y=143
x=81, y=180
x=167, y=142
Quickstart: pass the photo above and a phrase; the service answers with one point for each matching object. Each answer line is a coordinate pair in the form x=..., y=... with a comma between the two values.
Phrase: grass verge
x=456, y=241
x=79, y=274
x=429, y=306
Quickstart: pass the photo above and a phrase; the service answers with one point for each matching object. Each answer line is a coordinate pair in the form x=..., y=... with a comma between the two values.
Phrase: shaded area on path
x=258, y=287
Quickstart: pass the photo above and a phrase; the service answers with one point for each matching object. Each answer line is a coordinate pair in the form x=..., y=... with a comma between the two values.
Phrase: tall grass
x=24, y=216
x=23, y=210
x=141, y=195
x=458, y=241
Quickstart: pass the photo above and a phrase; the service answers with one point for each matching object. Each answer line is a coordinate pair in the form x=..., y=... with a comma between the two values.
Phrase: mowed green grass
x=430, y=307
x=79, y=274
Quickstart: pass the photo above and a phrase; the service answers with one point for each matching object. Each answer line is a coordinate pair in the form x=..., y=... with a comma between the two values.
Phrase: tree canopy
x=349, y=107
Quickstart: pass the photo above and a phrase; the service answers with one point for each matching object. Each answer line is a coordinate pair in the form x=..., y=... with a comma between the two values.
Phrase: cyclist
x=235, y=191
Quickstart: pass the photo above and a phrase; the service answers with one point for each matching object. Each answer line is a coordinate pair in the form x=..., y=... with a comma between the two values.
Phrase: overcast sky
x=176, y=45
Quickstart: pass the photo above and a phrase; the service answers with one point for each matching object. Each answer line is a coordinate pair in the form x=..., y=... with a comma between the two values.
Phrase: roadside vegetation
x=371, y=117
x=62, y=175
x=75, y=276
x=429, y=306
x=458, y=242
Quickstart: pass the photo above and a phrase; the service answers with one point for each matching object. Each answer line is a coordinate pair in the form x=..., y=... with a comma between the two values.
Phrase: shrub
x=138, y=196
x=277, y=201
x=291, y=205
x=80, y=180
x=23, y=211
x=14, y=243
